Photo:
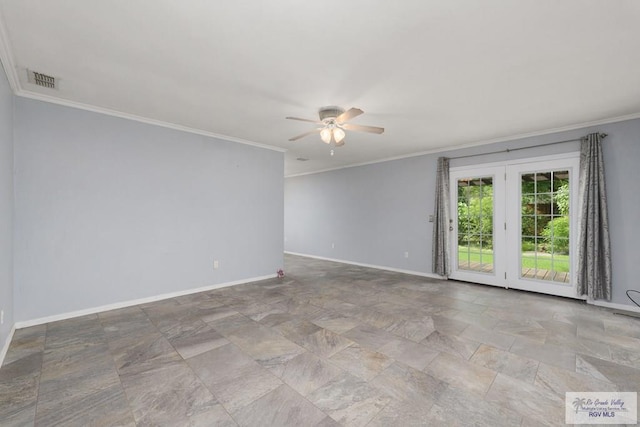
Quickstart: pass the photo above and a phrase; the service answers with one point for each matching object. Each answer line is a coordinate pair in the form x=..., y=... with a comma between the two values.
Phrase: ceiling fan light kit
x=333, y=122
x=326, y=134
x=335, y=134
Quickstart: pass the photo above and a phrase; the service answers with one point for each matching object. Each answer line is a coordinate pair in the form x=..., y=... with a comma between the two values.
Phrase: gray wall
x=6, y=207
x=109, y=210
x=374, y=213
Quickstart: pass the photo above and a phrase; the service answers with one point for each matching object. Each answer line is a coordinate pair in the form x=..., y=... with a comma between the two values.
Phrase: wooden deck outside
x=475, y=266
x=548, y=275
x=527, y=273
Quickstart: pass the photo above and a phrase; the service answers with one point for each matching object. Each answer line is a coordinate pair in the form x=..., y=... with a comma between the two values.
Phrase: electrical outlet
x=431, y=218
x=333, y=245
x=216, y=264
x=406, y=254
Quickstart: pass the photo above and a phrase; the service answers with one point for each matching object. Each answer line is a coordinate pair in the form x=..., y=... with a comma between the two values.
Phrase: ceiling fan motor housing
x=327, y=113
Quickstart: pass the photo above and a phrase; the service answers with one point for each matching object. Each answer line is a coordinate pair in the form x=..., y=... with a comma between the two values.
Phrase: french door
x=514, y=224
x=477, y=202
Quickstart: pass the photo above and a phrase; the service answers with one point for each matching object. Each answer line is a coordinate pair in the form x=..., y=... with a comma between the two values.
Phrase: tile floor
x=328, y=345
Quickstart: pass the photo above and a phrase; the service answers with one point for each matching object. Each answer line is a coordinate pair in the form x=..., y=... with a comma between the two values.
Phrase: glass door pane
x=545, y=226
x=475, y=224
x=514, y=224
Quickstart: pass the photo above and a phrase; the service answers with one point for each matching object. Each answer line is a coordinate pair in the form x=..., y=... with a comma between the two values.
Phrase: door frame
x=507, y=222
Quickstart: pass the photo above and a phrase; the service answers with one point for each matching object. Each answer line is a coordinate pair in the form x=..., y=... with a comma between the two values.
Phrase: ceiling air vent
x=40, y=79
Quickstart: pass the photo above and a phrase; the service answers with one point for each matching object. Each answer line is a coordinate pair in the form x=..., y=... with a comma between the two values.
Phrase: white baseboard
x=379, y=267
x=93, y=310
x=616, y=306
x=7, y=342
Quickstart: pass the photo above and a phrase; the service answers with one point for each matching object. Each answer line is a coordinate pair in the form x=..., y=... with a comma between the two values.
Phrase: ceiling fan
x=333, y=123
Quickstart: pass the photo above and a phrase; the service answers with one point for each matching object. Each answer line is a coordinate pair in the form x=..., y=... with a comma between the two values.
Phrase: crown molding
x=127, y=116
x=480, y=143
x=12, y=75
x=7, y=58
x=11, y=71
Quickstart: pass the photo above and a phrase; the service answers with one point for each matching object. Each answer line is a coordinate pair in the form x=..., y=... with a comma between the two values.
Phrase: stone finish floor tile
x=621, y=325
x=403, y=413
x=266, y=346
x=623, y=356
x=523, y=328
x=296, y=329
x=510, y=364
x=527, y=400
x=349, y=400
x=19, y=388
x=581, y=345
x=404, y=383
x=552, y=354
x=593, y=332
x=415, y=329
x=104, y=406
x=325, y=343
x=374, y=318
x=329, y=345
x=627, y=379
x=280, y=407
x=457, y=346
x=233, y=377
x=79, y=375
x=449, y=326
x=307, y=372
x=228, y=324
x=26, y=342
x=488, y=336
x=194, y=337
x=141, y=353
x=475, y=318
x=361, y=362
x=369, y=336
x=217, y=313
x=408, y=352
x=169, y=395
x=560, y=381
x=336, y=322
x=461, y=373
x=455, y=407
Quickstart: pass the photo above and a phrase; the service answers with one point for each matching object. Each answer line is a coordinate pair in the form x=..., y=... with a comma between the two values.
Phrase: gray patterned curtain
x=440, y=261
x=594, y=253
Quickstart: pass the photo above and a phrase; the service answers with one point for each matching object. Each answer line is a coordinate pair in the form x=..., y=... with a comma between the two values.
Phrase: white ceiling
x=435, y=74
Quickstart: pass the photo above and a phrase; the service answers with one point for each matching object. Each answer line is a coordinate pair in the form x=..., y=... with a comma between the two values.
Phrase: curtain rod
x=508, y=150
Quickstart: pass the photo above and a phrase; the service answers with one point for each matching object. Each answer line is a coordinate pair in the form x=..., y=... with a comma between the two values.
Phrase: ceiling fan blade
x=349, y=114
x=304, y=120
x=302, y=135
x=362, y=128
